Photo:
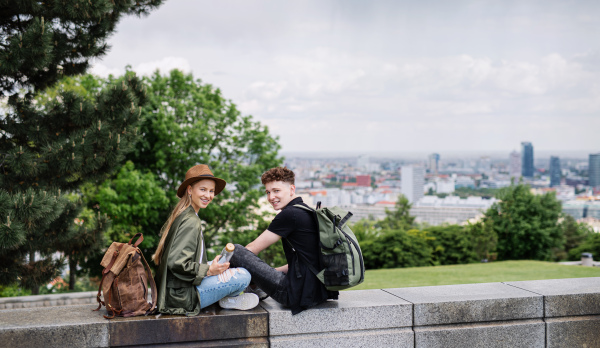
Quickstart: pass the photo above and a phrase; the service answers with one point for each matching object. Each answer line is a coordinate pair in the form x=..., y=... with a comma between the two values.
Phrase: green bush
x=452, y=244
x=398, y=248
x=590, y=245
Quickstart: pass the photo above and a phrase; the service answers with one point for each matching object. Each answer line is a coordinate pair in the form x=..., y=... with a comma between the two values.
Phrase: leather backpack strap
x=104, y=273
x=153, y=291
x=100, y=302
x=137, y=242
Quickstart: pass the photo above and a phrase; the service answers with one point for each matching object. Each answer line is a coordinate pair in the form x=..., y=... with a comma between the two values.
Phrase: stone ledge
x=64, y=299
x=213, y=323
x=80, y=326
x=355, y=310
x=73, y=326
x=475, y=315
x=565, y=297
x=498, y=334
x=567, y=332
x=401, y=338
x=450, y=304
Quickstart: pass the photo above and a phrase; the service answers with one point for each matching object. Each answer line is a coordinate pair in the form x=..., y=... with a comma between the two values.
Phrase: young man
x=292, y=285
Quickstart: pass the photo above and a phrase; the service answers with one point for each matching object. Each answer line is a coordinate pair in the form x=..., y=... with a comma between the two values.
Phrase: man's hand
x=283, y=269
x=266, y=239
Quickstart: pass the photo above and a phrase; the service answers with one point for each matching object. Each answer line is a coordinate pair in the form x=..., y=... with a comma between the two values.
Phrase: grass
x=472, y=273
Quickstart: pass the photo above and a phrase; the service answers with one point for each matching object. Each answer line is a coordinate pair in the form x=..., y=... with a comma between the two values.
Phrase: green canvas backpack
x=341, y=258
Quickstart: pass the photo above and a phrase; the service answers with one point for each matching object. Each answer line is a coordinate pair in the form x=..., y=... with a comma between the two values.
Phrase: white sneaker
x=242, y=302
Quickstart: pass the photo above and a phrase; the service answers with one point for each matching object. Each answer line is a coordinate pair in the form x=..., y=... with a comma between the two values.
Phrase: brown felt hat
x=200, y=172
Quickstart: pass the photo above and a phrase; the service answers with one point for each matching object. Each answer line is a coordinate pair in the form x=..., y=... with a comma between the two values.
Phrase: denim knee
x=243, y=276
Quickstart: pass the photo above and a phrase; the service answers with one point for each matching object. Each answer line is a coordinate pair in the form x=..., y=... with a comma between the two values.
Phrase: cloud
x=359, y=75
x=102, y=70
x=164, y=65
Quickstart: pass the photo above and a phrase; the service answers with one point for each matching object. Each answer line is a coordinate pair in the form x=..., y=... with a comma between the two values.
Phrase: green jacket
x=180, y=269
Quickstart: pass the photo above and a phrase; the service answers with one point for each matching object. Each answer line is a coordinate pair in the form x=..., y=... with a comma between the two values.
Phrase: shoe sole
x=248, y=301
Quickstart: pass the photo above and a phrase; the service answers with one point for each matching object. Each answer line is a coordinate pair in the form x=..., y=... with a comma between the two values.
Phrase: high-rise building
x=527, y=159
x=594, y=170
x=514, y=167
x=434, y=163
x=554, y=171
x=413, y=181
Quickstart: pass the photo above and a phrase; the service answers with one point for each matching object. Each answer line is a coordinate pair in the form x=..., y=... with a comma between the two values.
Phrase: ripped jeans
x=229, y=283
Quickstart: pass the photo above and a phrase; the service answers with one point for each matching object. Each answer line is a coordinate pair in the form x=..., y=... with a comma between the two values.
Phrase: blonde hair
x=183, y=204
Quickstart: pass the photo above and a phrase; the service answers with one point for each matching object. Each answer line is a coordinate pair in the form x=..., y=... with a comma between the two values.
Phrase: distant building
x=527, y=168
x=555, y=173
x=363, y=161
x=594, y=170
x=464, y=181
x=413, y=181
x=453, y=210
x=484, y=165
x=514, y=167
x=582, y=209
x=363, y=180
x=434, y=163
x=444, y=185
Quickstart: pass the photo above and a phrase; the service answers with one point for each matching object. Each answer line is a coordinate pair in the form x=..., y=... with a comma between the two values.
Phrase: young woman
x=186, y=282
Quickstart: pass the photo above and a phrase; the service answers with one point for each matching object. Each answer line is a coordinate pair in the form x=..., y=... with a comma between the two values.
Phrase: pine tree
x=47, y=150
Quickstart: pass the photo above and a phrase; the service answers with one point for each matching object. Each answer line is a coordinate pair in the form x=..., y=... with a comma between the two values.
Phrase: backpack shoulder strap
x=300, y=256
x=304, y=207
x=153, y=291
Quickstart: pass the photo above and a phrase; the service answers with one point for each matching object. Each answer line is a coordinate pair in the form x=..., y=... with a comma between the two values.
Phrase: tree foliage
x=132, y=200
x=47, y=149
x=43, y=41
x=484, y=239
x=451, y=244
x=400, y=217
x=397, y=248
x=590, y=245
x=186, y=123
x=526, y=224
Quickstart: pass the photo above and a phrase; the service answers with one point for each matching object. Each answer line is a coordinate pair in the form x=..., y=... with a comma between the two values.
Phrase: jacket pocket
x=180, y=298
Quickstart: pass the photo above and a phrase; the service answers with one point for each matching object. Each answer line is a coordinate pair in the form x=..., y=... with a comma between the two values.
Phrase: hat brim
x=219, y=184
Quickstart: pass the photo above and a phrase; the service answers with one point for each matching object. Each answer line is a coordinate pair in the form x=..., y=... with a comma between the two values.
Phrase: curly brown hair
x=278, y=174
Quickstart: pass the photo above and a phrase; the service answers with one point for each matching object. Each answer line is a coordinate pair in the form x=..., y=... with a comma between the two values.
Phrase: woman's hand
x=217, y=268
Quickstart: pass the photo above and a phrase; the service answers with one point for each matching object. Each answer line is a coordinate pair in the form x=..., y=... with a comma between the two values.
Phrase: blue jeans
x=214, y=288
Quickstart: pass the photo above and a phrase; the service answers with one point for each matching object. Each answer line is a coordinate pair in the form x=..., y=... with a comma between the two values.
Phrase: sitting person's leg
x=229, y=283
x=264, y=276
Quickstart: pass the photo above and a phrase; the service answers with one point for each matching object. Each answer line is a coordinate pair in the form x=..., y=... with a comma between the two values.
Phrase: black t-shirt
x=299, y=227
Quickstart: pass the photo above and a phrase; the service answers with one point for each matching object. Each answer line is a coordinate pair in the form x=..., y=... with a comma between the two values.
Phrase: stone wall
x=71, y=298
x=542, y=313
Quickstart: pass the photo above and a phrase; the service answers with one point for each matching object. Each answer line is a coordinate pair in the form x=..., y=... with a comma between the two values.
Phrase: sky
x=386, y=76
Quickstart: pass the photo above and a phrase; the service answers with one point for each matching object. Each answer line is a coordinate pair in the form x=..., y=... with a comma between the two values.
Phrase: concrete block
x=514, y=334
x=567, y=332
x=399, y=338
x=449, y=304
x=566, y=297
x=213, y=323
x=73, y=326
x=355, y=310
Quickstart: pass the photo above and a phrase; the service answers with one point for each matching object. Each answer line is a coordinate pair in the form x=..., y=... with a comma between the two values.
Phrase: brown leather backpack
x=125, y=281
